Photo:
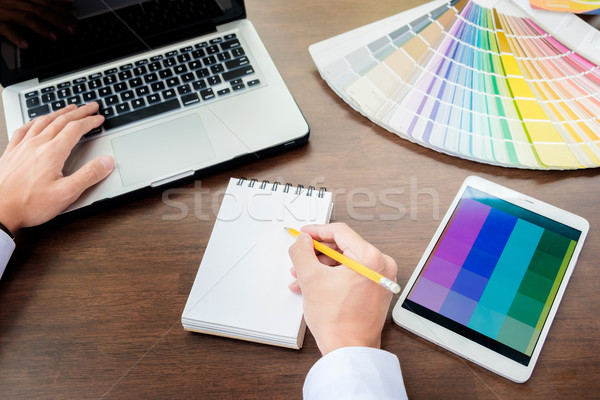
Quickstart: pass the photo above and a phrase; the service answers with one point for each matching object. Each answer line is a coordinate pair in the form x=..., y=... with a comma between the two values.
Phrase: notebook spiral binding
x=286, y=187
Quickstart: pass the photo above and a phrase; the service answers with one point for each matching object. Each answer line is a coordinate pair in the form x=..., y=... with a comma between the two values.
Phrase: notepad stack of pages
x=241, y=288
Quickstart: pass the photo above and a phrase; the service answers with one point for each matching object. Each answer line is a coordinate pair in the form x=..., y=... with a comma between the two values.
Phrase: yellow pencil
x=353, y=265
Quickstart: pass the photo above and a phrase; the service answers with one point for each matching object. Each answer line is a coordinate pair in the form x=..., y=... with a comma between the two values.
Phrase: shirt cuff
x=7, y=246
x=355, y=373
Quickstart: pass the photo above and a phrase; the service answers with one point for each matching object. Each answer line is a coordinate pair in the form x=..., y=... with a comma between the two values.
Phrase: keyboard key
x=135, y=82
x=169, y=62
x=157, y=86
x=171, y=53
x=110, y=79
x=238, y=87
x=32, y=102
x=201, y=45
x=105, y=91
x=95, y=76
x=79, y=88
x=172, y=82
x=63, y=85
x=141, y=62
x=190, y=99
x=122, y=108
x=188, y=77
x=223, y=91
x=230, y=44
x=142, y=91
x=48, y=97
x=213, y=80
x=128, y=95
x=150, y=78
x=183, y=58
x=95, y=84
x=198, y=53
x=31, y=94
x=140, y=70
x=253, y=82
x=237, y=73
x=142, y=113
x=201, y=84
x=216, y=40
x=229, y=36
x=79, y=80
x=217, y=69
x=169, y=93
x=186, y=49
x=202, y=73
x=74, y=100
x=111, y=100
x=153, y=98
x=107, y=112
x=156, y=58
x=237, y=62
x=138, y=103
x=111, y=71
x=165, y=73
x=236, y=81
x=57, y=105
x=125, y=75
x=37, y=111
x=90, y=96
x=224, y=56
x=210, y=60
x=119, y=87
x=194, y=65
x=93, y=132
x=180, y=69
x=238, y=52
x=207, y=94
x=48, y=89
x=183, y=89
x=126, y=67
x=155, y=66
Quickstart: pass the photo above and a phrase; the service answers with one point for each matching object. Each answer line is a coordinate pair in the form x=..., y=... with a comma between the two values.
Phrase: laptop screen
x=46, y=39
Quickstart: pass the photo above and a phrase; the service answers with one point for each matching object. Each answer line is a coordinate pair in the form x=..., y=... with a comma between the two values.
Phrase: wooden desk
x=91, y=308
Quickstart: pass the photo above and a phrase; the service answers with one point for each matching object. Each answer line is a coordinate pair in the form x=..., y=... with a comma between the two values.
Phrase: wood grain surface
x=90, y=307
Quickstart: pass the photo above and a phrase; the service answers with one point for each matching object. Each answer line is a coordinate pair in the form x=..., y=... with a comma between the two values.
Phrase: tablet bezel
x=461, y=345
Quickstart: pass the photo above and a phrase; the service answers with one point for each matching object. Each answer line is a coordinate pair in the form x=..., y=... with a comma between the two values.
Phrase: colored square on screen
x=441, y=271
x=429, y=294
x=554, y=244
x=526, y=309
x=453, y=250
x=469, y=284
x=481, y=262
x=468, y=221
x=536, y=286
x=515, y=334
x=486, y=321
x=458, y=307
x=545, y=264
x=495, y=232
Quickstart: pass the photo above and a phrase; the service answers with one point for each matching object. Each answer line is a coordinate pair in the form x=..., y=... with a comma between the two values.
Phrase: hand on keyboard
x=33, y=189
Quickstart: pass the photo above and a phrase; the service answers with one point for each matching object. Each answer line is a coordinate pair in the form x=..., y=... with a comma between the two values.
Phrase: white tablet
x=491, y=279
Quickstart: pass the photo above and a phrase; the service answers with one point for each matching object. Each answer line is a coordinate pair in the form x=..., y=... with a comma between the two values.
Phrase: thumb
x=91, y=173
x=302, y=254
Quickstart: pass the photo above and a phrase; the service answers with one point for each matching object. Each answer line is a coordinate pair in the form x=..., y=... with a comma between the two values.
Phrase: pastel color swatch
x=483, y=83
x=495, y=270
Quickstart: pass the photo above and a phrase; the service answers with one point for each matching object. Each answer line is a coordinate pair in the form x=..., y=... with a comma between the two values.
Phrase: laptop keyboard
x=134, y=91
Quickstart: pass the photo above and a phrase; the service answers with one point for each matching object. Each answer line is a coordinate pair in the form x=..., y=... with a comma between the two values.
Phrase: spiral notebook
x=241, y=288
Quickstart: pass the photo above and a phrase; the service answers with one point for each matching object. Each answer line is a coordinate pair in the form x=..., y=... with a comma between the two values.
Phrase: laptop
x=186, y=86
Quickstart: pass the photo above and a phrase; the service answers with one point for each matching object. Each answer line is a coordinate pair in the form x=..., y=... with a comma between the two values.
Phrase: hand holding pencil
x=341, y=307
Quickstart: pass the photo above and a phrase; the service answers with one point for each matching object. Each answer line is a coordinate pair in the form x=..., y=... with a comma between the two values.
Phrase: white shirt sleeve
x=355, y=373
x=7, y=246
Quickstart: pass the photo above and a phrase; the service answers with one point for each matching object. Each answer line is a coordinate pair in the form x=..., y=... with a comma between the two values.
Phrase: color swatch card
x=481, y=80
x=572, y=6
x=241, y=288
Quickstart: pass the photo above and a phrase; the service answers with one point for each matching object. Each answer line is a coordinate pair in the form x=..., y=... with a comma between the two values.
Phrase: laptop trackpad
x=163, y=150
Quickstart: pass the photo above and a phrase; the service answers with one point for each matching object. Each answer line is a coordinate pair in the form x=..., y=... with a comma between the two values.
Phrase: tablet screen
x=494, y=274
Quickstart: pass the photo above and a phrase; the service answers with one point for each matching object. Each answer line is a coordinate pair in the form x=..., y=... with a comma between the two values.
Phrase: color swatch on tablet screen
x=494, y=273
x=486, y=84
